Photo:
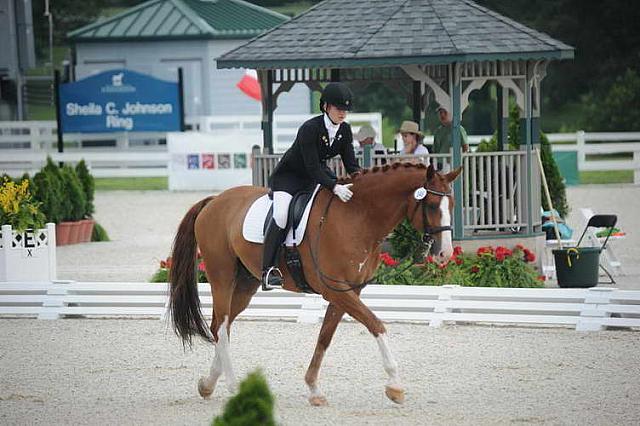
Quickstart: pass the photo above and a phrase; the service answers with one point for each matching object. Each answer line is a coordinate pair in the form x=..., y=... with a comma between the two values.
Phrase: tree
x=616, y=107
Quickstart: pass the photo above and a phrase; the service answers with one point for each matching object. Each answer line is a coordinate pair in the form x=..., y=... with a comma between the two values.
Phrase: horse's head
x=430, y=211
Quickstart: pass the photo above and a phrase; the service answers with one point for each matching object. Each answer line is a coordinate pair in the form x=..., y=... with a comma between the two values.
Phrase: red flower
x=457, y=250
x=443, y=265
x=166, y=264
x=520, y=247
x=430, y=259
x=458, y=261
x=483, y=250
x=201, y=266
x=529, y=256
x=541, y=278
x=502, y=253
x=388, y=260
x=475, y=269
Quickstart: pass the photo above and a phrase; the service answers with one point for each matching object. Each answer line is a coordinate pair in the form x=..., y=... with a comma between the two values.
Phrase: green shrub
x=99, y=233
x=88, y=186
x=48, y=189
x=252, y=405
x=406, y=241
x=75, y=194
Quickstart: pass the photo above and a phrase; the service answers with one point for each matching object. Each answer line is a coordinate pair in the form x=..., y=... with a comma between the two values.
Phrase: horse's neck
x=383, y=198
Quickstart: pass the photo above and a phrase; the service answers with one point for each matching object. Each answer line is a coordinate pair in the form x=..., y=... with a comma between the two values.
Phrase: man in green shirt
x=442, y=135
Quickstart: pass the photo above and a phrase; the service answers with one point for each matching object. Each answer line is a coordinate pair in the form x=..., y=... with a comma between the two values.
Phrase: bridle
x=420, y=195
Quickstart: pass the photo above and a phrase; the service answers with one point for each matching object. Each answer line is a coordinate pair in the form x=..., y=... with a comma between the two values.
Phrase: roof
x=182, y=19
x=338, y=33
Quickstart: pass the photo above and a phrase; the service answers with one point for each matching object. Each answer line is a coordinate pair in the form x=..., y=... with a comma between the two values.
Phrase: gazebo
x=443, y=50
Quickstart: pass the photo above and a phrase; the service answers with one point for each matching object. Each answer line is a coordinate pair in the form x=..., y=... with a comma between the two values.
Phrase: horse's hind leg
x=221, y=276
x=331, y=320
x=245, y=287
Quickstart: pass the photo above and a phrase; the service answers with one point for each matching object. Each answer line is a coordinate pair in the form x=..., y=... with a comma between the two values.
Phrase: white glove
x=343, y=192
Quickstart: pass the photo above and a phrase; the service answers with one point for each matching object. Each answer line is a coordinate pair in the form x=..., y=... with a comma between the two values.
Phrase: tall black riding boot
x=273, y=239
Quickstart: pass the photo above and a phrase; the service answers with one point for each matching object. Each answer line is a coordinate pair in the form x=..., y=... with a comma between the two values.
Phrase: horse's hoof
x=318, y=401
x=203, y=390
x=395, y=394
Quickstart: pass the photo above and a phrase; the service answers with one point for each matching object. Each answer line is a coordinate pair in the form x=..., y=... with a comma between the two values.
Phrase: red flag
x=249, y=85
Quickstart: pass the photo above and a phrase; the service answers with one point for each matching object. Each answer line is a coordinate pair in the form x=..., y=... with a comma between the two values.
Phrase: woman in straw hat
x=412, y=139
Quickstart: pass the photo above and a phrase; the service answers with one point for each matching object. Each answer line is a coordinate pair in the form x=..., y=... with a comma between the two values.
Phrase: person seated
x=367, y=136
x=412, y=139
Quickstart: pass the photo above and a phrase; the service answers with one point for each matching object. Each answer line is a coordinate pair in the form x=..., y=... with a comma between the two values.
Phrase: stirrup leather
x=272, y=278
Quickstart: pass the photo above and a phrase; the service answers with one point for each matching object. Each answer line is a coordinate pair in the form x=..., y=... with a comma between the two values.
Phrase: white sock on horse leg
x=223, y=350
x=215, y=371
x=390, y=364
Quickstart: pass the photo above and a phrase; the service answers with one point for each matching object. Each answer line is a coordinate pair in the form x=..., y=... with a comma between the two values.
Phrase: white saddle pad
x=254, y=221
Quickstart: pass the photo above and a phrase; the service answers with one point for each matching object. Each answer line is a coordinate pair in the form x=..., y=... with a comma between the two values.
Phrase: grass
x=135, y=183
x=610, y=176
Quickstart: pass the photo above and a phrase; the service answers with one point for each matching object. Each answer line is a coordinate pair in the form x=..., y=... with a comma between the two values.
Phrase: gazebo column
x=455, y=90
x=265, y=77
x=525, y=128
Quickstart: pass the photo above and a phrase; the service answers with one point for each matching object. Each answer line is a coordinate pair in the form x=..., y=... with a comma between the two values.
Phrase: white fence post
x=54, y=301
x=591, y=314
x=442, y=306
x=580, y=145
x=312, y=309
x=51, y=249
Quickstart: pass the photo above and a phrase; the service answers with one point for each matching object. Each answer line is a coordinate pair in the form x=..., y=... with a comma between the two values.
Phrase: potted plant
x=76, y=202
x=49, y=191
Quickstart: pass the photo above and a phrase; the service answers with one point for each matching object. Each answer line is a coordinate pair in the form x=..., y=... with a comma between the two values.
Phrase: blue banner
x=119, y=101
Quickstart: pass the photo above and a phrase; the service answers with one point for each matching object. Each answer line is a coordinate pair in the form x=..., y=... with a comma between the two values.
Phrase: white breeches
x=281, y=201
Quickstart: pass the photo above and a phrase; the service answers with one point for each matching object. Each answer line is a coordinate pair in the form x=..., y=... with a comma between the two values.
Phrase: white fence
x=25, y=144
x=584, y=309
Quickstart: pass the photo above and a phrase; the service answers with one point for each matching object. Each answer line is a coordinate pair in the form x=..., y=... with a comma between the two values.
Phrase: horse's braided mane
x=381, y=169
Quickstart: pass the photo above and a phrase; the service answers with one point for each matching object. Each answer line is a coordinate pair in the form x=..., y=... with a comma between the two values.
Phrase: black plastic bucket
x=577, y=267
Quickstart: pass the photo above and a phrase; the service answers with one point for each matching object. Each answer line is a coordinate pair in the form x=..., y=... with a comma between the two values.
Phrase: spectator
x=442, y=135
x=367, y=136
x=412, y=139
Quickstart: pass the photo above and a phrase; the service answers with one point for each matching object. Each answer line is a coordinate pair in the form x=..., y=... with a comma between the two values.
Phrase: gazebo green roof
x=182, y=19
x=338, y=33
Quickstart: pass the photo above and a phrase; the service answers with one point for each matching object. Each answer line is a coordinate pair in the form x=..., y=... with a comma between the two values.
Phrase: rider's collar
x=329, y=124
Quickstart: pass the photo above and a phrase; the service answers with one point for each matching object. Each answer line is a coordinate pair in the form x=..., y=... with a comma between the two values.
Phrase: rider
x=304, y=165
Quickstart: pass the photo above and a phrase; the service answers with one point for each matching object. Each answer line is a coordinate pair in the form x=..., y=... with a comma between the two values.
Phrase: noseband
x=428, y=231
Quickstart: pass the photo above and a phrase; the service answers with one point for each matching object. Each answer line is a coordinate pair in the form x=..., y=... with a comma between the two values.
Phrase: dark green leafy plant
x=88, y=186
x=99, y=234
x=75, y=194
x=252, y=405
x=405, y=241
x=48, y=189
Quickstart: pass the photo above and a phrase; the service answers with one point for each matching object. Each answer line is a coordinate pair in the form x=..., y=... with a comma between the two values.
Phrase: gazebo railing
x=494, y=186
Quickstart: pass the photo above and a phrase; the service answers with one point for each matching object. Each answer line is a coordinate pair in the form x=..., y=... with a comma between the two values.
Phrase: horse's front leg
x=331, y=320
x=351, y=304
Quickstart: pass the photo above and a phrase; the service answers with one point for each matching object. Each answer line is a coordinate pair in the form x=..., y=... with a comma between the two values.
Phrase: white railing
x=494, y=185
x=584, y=309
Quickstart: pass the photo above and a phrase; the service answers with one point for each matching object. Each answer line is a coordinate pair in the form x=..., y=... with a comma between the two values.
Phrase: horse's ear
x=451, y=176
x=431, y=172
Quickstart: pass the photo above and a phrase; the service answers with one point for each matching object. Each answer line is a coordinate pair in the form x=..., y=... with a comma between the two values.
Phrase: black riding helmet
x=337, y=94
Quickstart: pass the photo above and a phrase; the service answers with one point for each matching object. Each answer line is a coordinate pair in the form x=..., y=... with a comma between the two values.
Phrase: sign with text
x=119, y=101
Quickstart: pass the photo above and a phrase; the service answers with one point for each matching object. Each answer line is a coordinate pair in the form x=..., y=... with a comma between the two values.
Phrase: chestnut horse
x=340, y=253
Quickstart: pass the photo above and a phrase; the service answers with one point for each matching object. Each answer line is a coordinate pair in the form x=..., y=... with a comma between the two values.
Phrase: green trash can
x=577, y=267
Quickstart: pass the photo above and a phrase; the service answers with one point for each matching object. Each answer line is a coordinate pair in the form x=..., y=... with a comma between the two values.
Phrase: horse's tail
x=184, y=303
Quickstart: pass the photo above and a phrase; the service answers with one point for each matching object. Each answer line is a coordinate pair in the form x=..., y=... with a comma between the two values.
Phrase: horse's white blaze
x=390, y=364
x=222, y=350
x=445, y=237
